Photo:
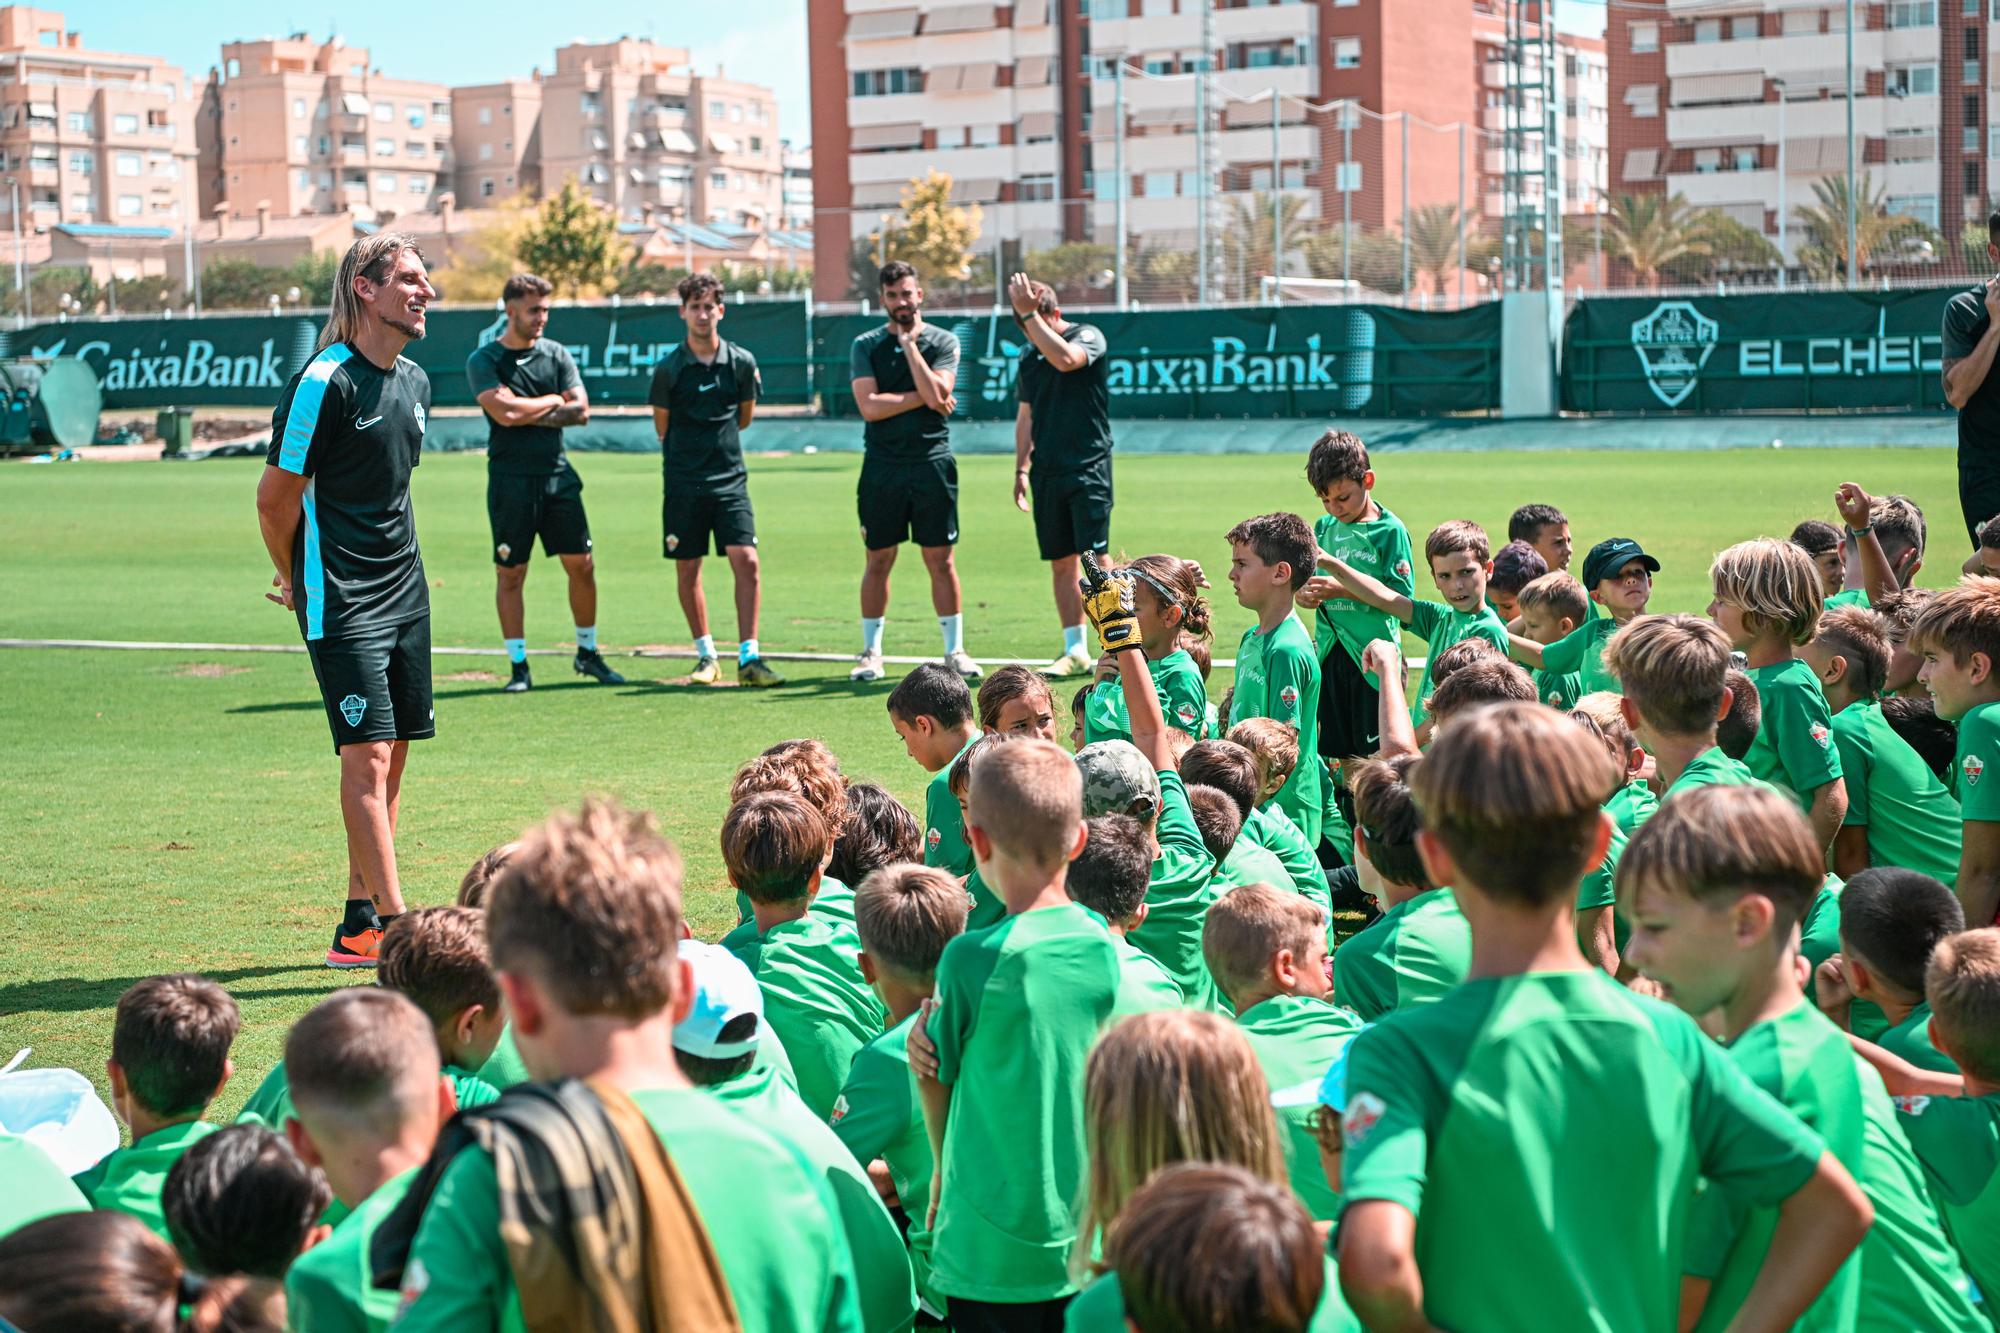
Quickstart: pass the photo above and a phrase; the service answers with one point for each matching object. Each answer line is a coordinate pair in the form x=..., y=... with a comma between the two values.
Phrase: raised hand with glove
x=1107, y=601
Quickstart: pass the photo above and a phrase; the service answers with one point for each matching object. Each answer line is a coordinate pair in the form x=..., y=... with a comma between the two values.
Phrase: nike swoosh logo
x=706, y=387
x=364, y=425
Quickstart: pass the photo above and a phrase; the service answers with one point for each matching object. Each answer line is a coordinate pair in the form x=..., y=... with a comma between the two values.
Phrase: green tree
x=1878, y=233
x=933, y=233
x=1434, y=245
x=1376, y=263
x=1728, y=248
x=148, y=295
x=1649, y=232
x=238, y=284
x=1246, y=237
x=1072, y=266
x=572, y=240
x=476, y=265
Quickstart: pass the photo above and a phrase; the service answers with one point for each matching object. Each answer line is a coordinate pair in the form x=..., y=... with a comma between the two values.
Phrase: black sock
x=383, y=921
x=360, y=915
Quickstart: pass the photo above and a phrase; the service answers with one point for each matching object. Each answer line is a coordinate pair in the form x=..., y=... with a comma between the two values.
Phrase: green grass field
x=167, y=811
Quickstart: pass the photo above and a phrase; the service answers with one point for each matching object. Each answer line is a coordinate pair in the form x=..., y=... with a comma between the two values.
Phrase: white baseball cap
x=724, y=991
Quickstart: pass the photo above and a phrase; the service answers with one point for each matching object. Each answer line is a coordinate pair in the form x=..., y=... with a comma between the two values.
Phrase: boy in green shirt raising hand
x=1618, y=575
x=1958, y=636
x=1277, y=671
x=1715, y=886
x=1446, y=1146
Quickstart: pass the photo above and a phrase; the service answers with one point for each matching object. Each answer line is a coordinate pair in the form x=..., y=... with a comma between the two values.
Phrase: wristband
x=1861, y=531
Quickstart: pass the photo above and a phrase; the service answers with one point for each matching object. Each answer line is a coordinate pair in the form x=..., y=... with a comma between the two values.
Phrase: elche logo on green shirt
x=1822, y=735
x=1973, y=766
x=933, y=838
x=1402, y=569
x=1184, y=713
x=1289, y=696
x=1364, y=1110
x=1911, y=1105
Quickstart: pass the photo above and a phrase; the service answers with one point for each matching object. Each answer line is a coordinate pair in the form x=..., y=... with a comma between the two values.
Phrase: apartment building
x=796, y=189
x=497, y=140
x=305, y=126
x=1701, y=91
x=1582, y=84
x=89, y=136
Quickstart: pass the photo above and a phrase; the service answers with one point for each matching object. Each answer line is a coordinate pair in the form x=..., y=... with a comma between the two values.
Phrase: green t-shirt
x=1564, y=1113
x=1957, y=1143
x=1277, y=676
x=1581, y=652
x=1178, y=896
x=1143, y=985
x=1710, y=768
x=1297, y=1039
x=1559, y=689
x=1794, y=749
x=1183, y=701
x=881, y=1264
x=1911, y=1039
x=774, y=1227
x=1440, y=626
x=1379, y=548
x=1272, y=829
x=327, y=1289
x=1819, y=933
x=1410, y=955
x=1019, y=1006
x=815, y=1000
x=36, y=1186
x=1912, y=820
x=1978, y=736
x=879, y=1116
x=1100, y=1308
x=1805, y=1062
x=1847, y=597
x=1247, y=863
x=1595, y=889
x=833, y=902
x=130, y=1179
x=983, y=907
x=271, y=1105
x=504, y=1068
x=1910, y=1276
x=1632, y=805
x=944, y=825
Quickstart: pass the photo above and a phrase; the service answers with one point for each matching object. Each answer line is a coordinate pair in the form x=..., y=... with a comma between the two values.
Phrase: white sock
x=586, y=638
x=1073, y=640
x=746, y=652
x=517, y=650
x=871, y=634
x=953, y=629
x=705, y=646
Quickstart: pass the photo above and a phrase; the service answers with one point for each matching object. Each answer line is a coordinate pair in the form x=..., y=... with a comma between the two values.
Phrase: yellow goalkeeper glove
x=1107, y=600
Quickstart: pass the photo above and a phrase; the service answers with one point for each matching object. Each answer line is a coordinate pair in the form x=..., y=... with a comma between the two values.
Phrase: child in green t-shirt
x=1820, y=540
x=241, y=1200
x=1633, y=803
x=1673, y=672
x=1552, y=606
x=584, y=930
x=905, y=915
x=1898, y=812
x=1016, y=701
x=1515, y=566
x=367, y=1101
x=1277, y=669
x=437, y=956
x=1267, y=951
x=1768, y=603
x=1275, y=747
x=1957, y=635
x=1715, y=886
x=1546, y=528
x=715, y=1044
x=1172, y=614
x=170, y=1045
x=1460, y=562
x=1446, y=1146
x=775, y=846
x=1221, y=824
x=1078, y=702
x=1890, y=921
x=1618, y=575
x=931, y=710
x=983, y=906
x=1232, y=769
x=804, y=768
x=1420, y=947
x=1953, y=1120
x=1111, y=877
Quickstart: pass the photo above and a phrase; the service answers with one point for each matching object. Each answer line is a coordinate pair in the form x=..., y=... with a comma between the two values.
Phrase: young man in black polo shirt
x=1062, y=451
x=703, y=395
x=530, y=390
x=334, y=508
x=902, y=377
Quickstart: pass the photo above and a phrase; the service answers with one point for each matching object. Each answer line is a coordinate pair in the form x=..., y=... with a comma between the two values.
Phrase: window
x=1707, y=160
x=125, y=164
x=1743, y=28
x=77, y=122
x=486, y=152
x=1971, y=108
x=1922, y=207
x=305, y=179
x=588, y=104
x=1155, y=185
x=385, y=148
x=1347, y=53
x=414, y=116
x=1645, y=37
x=756, y=144
x=83, y=164
x=80, y=203
x=441, y=113
x=486, y=115
x=324, y=146
x=124, y=124
x=1158, y=65
x=420, y=185
x=1747, y=159
x=1347, y=176
x=984, y=136
x=298, y=108
x=1993, y=140
x=736, y=113
x=1970, y=141
x=384, y=112
x=298, y=145
x=1708, y=30
x=718, y=180
x=130, y=206
x=1971, y=176
x=385, y=182
x=486, y=187
x=716, y=110
x=885, y=82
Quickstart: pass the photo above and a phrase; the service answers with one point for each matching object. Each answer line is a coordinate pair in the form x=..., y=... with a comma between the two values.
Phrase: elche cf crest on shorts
x=503, y=550
x=352, y=708
x=1821, y=734
x=1973, y=766
x=673, y=541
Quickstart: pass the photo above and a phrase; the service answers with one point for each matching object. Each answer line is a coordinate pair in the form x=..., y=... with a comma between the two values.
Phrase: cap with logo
x=1117, y=780
x=724, y=991
x=1611, y=555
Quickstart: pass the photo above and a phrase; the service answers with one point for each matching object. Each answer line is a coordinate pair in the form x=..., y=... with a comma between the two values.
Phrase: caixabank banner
x=1756, y=353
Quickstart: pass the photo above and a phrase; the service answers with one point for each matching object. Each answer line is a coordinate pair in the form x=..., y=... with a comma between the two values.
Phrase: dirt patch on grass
x=211, y=670
x=486, y=676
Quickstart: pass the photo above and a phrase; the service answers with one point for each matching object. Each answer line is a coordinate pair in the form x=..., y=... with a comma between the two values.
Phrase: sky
x=761, y=41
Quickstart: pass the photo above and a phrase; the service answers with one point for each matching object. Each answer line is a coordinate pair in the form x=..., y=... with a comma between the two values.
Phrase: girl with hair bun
x=1172, y=614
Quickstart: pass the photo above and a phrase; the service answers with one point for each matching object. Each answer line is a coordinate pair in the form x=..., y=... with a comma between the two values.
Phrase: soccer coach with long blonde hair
x=334, y=506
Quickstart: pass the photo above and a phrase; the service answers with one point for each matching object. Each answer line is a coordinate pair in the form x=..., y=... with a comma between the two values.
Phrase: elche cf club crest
x=1973, y=766
x=1673, y=344
x=1821, y=734
x=932, y=839
x=353, y=707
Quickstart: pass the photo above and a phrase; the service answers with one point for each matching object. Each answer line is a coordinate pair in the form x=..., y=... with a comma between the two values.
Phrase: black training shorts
x=519, y=509
x=692, y=517
x=1072, y=512
x=376, y=683
x=908, y=499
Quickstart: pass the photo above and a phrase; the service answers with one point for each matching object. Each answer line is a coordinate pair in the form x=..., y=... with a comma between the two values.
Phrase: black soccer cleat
x=520, y=682
x=588, y=663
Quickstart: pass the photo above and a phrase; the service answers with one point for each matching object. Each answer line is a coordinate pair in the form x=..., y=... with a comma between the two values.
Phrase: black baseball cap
x=1611, y=555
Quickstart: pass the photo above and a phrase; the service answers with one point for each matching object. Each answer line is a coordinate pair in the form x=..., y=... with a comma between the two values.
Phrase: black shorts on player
x=522, y=508
x=1072, y=511
x=692, y=518
x=1350, y=713
x=376, y=683
x=903, y=500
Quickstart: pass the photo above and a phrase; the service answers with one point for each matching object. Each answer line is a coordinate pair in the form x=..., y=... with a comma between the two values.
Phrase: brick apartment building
x=1696, y=91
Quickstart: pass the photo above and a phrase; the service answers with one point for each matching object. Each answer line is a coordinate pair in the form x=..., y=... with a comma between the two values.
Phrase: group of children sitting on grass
x=1618, y=978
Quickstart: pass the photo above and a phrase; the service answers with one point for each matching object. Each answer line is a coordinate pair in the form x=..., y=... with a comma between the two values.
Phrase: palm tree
x=1246, y=240
x=1434, y=237
x=1647, y=232
x=1877, y=231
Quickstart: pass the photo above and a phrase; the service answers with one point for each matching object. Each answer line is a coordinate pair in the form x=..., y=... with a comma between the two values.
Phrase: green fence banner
x=1241, y=361
x=1763, y=352
x=244, y=360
